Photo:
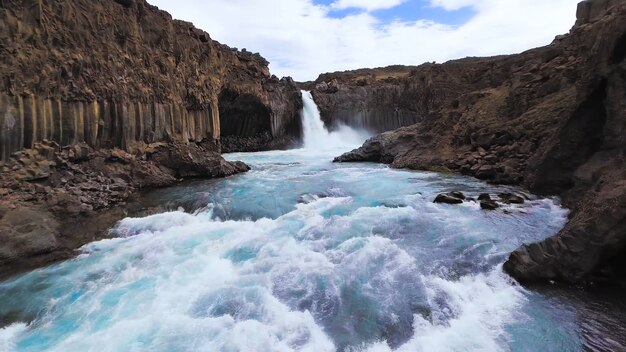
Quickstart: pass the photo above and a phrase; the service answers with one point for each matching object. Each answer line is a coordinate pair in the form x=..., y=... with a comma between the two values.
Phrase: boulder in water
x=489, y=205
x=457, y=194
x=450, y=198
x=511, y=198
x=484, y=196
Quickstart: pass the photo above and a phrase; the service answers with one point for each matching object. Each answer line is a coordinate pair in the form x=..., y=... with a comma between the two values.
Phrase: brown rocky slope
x=551, y=119
x=99, y=98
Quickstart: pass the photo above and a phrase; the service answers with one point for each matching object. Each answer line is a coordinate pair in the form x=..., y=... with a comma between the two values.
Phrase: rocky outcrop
x=53, y=199
x=388, y=98
x=551, y=119
x=116, y=74
x=100, y=98
x=252, y=124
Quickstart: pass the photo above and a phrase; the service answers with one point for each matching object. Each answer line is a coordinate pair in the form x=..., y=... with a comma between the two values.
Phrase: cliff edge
x=552, y=119
x=100, y=98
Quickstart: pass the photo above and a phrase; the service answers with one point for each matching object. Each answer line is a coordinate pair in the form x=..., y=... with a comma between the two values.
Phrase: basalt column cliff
x=551, y=119
x=102, y=97
x=121, y=73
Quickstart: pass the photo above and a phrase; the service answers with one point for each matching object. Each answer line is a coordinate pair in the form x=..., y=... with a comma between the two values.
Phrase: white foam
x=482, y=305
x=9, y=336
x=179, y=281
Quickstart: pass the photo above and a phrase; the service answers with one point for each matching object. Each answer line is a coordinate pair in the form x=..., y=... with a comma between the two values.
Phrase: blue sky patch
x=410, y=11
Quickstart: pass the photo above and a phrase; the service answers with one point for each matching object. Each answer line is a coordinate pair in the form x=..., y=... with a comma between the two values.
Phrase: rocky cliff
x=121, y=73
x=552, y=119
x=387, y=98
x=99, y=98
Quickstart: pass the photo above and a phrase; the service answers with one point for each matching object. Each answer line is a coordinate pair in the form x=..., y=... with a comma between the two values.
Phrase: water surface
x=301, y=254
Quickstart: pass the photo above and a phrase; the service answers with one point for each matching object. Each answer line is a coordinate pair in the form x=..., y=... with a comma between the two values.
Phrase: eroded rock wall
x=387, y=98
x=107, y=124
x=101, y=98
x=251, y=123
x=554, y=122
x=115, y=73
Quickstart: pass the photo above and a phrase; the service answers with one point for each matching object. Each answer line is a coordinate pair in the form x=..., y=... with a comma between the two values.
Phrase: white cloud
x=369, y=5
x=301, y=40
x=455, y=4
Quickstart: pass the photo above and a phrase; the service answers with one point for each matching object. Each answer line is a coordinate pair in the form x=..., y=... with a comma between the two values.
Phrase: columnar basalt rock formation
x=552, y=119
x=118, y=73
x=99, y=98
x=387, y=98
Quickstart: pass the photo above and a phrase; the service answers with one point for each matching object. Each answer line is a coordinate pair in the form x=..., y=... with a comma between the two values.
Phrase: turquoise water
x=301, y=254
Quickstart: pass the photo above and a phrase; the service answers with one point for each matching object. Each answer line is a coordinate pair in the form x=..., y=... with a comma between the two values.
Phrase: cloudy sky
x=303, y=38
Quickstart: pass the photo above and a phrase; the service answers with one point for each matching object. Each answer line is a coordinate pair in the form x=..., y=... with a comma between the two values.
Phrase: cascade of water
x=316, y=136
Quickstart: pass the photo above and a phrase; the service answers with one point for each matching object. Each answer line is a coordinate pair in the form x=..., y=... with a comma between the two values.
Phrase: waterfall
x=316, y=136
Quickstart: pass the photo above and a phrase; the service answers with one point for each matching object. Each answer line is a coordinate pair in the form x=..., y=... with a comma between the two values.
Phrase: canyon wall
x=117, y=73
x=551, y=119
x=387, y=98
x=101, y=98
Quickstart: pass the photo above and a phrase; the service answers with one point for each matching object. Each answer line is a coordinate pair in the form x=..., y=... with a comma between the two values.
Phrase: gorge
x=342, y=257
x=269, y=245
x=550, y=119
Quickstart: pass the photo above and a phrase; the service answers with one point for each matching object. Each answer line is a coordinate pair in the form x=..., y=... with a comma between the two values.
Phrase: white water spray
x=316, y=136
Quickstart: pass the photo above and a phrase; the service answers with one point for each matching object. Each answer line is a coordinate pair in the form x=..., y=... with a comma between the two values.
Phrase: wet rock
x=370, y=151
x=260, y=142
x=484, y=196
x=26, y=232
x=511, y=198
x=457, y=194
x=489, y=205
x=191, y=160
x=240, y=166
x=447, y=199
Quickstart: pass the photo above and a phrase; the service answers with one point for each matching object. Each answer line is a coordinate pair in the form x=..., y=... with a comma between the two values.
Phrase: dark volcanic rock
x=190, y=160
x=489, y=204
x=511, y=198
x=26, y=233
x=448, y=199
x=100, y=98
x=387, y=98
x=484, y=196
x=551, y=119
x=266, y=122
x=78, y=198
x=457, y=194
x=108, y=75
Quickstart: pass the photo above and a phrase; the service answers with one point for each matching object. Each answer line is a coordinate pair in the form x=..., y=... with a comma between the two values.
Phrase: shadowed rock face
x=248, y=124
x=551, y=119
